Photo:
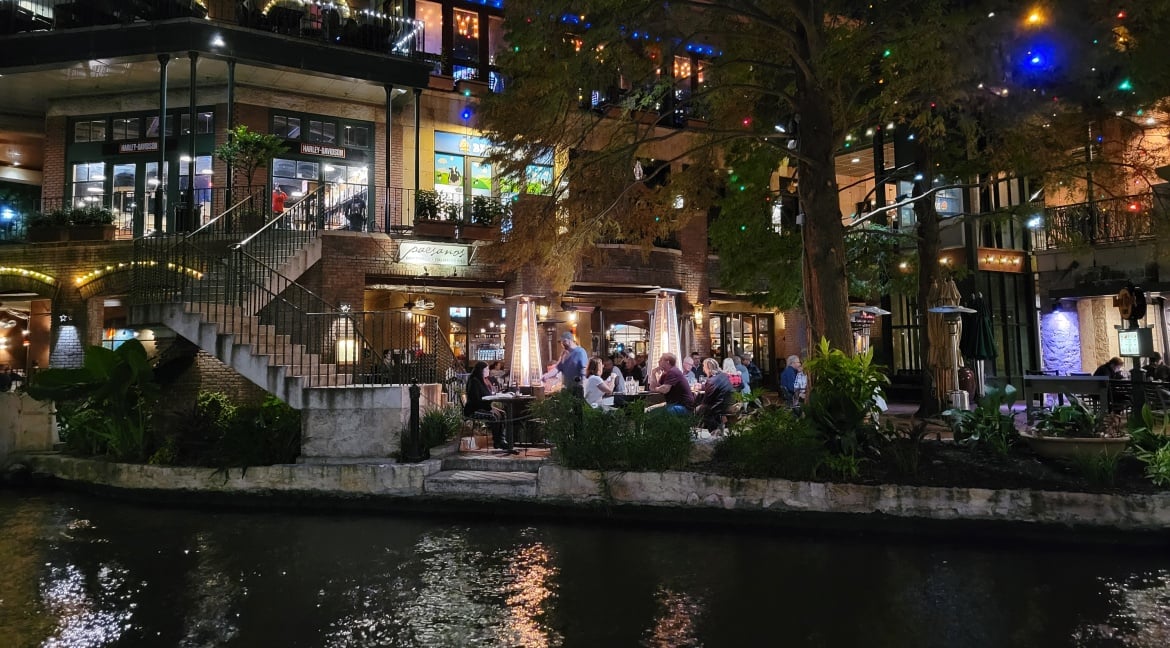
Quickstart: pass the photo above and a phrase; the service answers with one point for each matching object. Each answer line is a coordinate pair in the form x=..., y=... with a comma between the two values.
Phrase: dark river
x=79, y=571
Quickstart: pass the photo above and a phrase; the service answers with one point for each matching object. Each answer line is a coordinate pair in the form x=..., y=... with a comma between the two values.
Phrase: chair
x=1158, y=400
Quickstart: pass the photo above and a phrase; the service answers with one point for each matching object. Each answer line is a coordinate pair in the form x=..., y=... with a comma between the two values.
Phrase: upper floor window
x=322, y=132
x=356, y=137
x=286, y=127
x=126, y=128
x=431, y=15
x=90, y=131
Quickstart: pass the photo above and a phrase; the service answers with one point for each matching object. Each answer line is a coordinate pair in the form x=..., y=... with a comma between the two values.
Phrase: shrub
x=260, y=435
x=986, y=426
x=773, y=443
x=440, y=424
x=89, y=216
x=842, y=403
x=1157, y=464
x=627, y=439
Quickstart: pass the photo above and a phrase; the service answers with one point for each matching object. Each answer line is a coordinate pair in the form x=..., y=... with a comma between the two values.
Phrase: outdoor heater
x=953, y=315
x=861, y=319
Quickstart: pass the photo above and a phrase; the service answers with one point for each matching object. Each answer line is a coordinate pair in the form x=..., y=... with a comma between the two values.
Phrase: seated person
x=1111, y=370
x=612, y=374
x=668, y=380
x=688, y=369
x=1119, y=395
x=793, y=381
x=738, y=381
x=476, y=407
x=597, y=391
x=1157, y=370
x=715, y=399
x=497, y=376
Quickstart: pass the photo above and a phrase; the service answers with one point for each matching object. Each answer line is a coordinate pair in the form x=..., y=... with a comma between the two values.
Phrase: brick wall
x=53, y=174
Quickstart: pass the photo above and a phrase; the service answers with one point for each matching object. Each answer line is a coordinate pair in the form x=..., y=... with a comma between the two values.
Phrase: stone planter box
x=91, y=233
x=434, y=229
x=479, y=232
x=1073, y=447
x=50, y=234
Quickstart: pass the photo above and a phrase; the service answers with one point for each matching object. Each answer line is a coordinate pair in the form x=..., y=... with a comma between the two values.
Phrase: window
x=90, y=131
x=466, y=36
x=322, y=132
x=152, y=126
x=286, y=127
x=496, y=42
x=356, y=137
x=204, y=124
x=127, y=128
x=431, y=15
x=89, y=181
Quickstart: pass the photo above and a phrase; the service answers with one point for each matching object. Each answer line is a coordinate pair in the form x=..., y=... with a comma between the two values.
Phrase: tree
x=247, y=151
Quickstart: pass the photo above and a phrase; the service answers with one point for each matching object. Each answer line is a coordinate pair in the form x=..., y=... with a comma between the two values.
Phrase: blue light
x=466, y=114
x=6, y=213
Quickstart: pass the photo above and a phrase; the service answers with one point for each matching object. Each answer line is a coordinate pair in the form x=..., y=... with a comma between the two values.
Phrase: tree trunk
x=928, y=272
x=826, y=296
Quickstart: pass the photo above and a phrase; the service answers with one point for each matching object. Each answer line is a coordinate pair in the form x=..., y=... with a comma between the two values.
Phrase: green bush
x=1157, y=464
x=773, y=443
x=440, y=424
x=987, y=426
x=626, y=439
x=842, y=403
x=260, y=436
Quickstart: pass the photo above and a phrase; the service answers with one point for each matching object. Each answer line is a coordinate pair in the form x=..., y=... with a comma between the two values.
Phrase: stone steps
x=493, y=463
x=482, y=484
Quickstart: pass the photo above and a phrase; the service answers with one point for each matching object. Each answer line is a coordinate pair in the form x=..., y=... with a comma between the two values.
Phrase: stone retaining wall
x=564, y=488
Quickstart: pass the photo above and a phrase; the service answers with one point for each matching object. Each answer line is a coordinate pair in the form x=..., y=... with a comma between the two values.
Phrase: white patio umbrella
x=525, y=344
x=664, y=336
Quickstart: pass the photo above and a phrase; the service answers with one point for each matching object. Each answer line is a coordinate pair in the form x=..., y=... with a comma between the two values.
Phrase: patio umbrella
x=525, y=344
x=978, y=340
x=664, y=337
x=940, y=337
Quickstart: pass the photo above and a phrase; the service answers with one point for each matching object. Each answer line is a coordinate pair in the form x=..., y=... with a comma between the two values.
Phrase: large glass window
x=322, y=132
x=126, y=128
x=89, y=182
x=431, y=14
x=356, y=137
x=466, y=36
x=286, y=127
x=203, y=182
x=90, y=131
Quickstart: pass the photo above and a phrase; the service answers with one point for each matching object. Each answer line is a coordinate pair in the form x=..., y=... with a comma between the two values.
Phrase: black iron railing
x=1114, y=220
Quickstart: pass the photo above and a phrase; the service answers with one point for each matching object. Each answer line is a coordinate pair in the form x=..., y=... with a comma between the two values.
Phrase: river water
x=78, y=571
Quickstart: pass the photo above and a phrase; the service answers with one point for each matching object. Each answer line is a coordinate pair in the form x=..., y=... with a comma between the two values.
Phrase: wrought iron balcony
x=1114, y=220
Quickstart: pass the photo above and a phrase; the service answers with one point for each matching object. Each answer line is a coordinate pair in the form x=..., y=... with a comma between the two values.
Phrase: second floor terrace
x=1110, y=221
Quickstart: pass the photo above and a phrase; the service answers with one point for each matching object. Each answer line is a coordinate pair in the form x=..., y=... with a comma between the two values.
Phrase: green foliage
x=260, y=436
x=117, y=384
x=426, y=205
x=440, y=424
x=987, y=426
x=1157, y=464
x=1077, y=421
x=1099, y=468
x=844, y=466
x=842, y=402
x=1144, y=436
x=90, y=216
x=488, y=210
x=773, y=443
x=874, y=256
x=246, y=151
x=905, y=444
x=627, y=439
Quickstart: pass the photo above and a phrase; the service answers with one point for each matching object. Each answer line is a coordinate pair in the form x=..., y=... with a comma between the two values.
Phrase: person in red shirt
x=278, y=198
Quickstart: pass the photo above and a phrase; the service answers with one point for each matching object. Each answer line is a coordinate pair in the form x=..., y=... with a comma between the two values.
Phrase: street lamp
x=953, y=315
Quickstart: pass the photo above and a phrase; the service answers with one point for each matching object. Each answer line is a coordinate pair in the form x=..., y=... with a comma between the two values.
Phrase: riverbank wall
x=679, y=496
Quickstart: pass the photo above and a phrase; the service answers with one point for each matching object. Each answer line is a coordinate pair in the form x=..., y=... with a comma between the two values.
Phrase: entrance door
x=337, y=193
x=125, y=199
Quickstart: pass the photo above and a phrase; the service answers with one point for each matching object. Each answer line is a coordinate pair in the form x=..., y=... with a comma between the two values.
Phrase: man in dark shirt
x=668, y=380
x=1157, y=370
x=1111, y=370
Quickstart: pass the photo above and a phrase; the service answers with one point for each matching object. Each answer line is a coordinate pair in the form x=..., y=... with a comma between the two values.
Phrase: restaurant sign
x=323, y=151
x=443, y=254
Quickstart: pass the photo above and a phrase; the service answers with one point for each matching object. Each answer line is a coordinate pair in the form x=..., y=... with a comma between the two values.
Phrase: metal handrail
x=209, y=224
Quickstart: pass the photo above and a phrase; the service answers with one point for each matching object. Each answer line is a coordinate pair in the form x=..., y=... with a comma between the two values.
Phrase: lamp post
x=953, y=315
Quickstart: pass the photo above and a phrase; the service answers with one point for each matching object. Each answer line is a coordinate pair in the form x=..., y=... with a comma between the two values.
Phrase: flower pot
x=1074, y=447
x=479, y=232
x=434, y=229
x=47, y=234
x=91, y=233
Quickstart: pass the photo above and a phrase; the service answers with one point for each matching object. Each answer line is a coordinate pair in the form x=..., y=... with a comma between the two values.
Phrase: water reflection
x=81, y=573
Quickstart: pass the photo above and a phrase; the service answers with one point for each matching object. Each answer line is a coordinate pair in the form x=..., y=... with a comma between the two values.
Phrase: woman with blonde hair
x=737, y=381
x=596, y=388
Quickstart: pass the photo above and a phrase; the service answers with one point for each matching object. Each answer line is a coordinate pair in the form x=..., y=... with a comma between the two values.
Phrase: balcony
x=321, y=23
x=1103, y=222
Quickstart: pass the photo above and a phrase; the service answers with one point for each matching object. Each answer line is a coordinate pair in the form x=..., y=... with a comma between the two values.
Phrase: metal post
x=412, y=450
x=231, y=123
x=188, y=217
x=389, y=156
x=161, y=189
x=417, y=135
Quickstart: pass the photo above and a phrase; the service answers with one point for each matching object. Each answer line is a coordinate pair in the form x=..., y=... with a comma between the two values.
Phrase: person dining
x=738, y=381
x=667, y=379
x=715, y=397
x=688, y=369
x=793, y=381
x=598, y=391
x=475, y=407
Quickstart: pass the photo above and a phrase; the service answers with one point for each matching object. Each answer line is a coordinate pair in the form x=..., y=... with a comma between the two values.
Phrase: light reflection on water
x=89, y=573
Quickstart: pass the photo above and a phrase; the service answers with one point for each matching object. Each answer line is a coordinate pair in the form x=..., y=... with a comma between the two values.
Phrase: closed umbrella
x=978, y=341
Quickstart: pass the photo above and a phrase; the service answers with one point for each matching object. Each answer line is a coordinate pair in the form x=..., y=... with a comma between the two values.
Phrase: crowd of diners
x=697, y=386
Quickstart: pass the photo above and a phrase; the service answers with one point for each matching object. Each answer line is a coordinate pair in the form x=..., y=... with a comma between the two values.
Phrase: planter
x=479, y=232
x=1075, y=447
x=91, y=233
x=434, y=229
x=48, y=234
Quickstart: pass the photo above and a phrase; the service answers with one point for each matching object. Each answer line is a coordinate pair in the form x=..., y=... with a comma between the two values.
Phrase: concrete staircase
x=481, y=476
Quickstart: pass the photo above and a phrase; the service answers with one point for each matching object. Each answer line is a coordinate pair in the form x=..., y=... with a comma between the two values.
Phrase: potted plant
x=433, y=217
x=1073, y=431
x=48, y=227
x=486, y=214
x=987, y=426
x=91, y=224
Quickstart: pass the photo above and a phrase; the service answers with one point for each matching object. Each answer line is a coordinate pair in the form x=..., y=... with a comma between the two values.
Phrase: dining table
x=515, y=408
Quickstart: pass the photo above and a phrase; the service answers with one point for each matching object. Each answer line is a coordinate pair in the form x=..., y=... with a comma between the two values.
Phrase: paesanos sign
x=443, y=254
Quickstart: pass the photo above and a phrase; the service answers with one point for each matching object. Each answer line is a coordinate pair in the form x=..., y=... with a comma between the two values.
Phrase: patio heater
x=861, y=319
x=525, y=366
x=953, y=315
x=664, y=337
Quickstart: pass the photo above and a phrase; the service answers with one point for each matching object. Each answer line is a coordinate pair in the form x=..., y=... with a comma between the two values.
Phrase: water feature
x=81, y=572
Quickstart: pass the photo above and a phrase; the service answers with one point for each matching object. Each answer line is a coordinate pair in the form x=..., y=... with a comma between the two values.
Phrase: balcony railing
x=1114, y=220
x=338, y=24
